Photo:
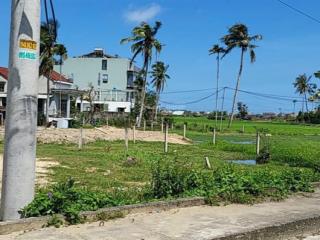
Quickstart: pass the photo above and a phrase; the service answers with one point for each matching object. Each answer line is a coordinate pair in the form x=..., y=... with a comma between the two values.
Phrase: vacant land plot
x=145, y=173
x=71, y=135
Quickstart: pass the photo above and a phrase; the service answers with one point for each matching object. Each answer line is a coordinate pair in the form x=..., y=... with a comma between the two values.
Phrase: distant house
x=112, y=78
x=178, y=112
x=60, y=88
x=269, y=115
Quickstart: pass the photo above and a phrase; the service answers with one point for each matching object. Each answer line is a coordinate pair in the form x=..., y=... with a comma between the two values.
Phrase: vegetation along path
x=205, y=222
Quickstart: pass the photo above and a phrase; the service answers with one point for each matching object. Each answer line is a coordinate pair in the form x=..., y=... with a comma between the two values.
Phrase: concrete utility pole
x=21, y=118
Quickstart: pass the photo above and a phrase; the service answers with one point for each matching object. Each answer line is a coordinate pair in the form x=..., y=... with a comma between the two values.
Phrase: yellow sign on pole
x=28, y=44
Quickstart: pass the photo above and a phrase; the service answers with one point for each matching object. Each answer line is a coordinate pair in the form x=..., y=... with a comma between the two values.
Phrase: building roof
x=54, y=76
x=4, y=72
x=57, y=77
x=97, y=53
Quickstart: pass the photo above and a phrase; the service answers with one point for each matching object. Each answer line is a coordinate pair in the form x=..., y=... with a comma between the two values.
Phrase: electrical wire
x=299, y=11
x=191, y=102
x=52, y=26
x=188, y=91
x=256, y=94
x=271, y=96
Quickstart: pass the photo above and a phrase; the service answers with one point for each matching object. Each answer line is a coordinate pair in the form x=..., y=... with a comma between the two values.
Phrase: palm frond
x=252, y=55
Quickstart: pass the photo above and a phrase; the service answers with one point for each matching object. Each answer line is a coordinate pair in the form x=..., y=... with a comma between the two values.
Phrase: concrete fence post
x=161, y=124
x=126, y=139
x=184, y=130
x=134, y=134
x=207, y=162
x=166, y=138
x=258, y=143
x=214, y=137
x=80, y=138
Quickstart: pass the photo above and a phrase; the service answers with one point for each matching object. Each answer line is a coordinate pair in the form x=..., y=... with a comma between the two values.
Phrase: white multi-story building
x=112, y=78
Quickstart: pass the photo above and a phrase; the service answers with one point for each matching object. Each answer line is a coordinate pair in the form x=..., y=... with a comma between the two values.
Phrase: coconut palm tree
x=304, y=87
x=294, y=105
x=216, y=49
x=159, y=78
x=61, y=51
x=238, y=37
x=144, y=42
x=48, y=49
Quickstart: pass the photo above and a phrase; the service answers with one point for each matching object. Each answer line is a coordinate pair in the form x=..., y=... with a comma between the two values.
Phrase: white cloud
x=142, y=14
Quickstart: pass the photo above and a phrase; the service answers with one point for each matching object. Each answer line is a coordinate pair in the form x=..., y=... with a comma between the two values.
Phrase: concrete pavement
x=198, y=223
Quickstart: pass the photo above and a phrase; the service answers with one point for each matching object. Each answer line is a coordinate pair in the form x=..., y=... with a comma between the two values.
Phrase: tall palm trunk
x=306, y=100
x=143, y=95
x=157, y=104
x=236, y=90
x=60, y=85
x=48, y=99
x=217, y=86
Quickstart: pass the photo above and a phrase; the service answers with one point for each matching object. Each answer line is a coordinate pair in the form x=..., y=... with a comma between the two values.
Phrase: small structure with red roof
x=60, y=90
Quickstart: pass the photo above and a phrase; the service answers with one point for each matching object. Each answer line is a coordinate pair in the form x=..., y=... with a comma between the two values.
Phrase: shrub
x=171, y=178
x=229, y=182
x=67, y=200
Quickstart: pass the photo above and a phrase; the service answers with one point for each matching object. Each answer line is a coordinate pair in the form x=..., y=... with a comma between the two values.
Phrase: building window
x=105, y=78
x=105, y=107
x=130, y=79
x=2, y=86
x=104, y=64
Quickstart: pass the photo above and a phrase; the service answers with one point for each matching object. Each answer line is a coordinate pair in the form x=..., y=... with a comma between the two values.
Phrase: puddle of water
x=244, y=162
x=242, y=142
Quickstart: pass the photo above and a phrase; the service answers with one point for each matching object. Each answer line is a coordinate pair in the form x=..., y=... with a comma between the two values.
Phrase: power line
x=299, y=11
x=187, y=103
x=191, y=102
x=187, y=91
x=211, y=89
x=273, y=96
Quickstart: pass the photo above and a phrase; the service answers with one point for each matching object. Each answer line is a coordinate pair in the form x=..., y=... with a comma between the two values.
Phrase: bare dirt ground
x=43, y=171
x=71, y=135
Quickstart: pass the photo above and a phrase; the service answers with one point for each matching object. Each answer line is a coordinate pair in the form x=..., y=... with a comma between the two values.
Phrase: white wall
x=112, y=106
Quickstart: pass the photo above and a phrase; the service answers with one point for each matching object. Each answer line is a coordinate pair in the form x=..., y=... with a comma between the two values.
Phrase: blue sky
x=290, y=45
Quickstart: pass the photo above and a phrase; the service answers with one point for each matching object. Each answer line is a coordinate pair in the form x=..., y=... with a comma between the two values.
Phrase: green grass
x=103, y=167
x=147, y=174
x=278, y=128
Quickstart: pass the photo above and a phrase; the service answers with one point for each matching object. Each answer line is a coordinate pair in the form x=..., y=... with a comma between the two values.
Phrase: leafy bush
x=171, y=178
x=229, y=182
x=65, y=199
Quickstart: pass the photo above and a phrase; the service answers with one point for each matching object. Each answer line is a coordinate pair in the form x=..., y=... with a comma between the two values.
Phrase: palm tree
x=144, y=41
x=216, y=49
x=62, y=52
x=304, y=86
x=294, y=105
x=238, y=37
x=159, y=78
x=48, y=49
x=47, y=42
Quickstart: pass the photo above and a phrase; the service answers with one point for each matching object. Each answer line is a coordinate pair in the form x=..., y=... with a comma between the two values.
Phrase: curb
x=297, y=227
x=103, y=214
x=114, y=212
